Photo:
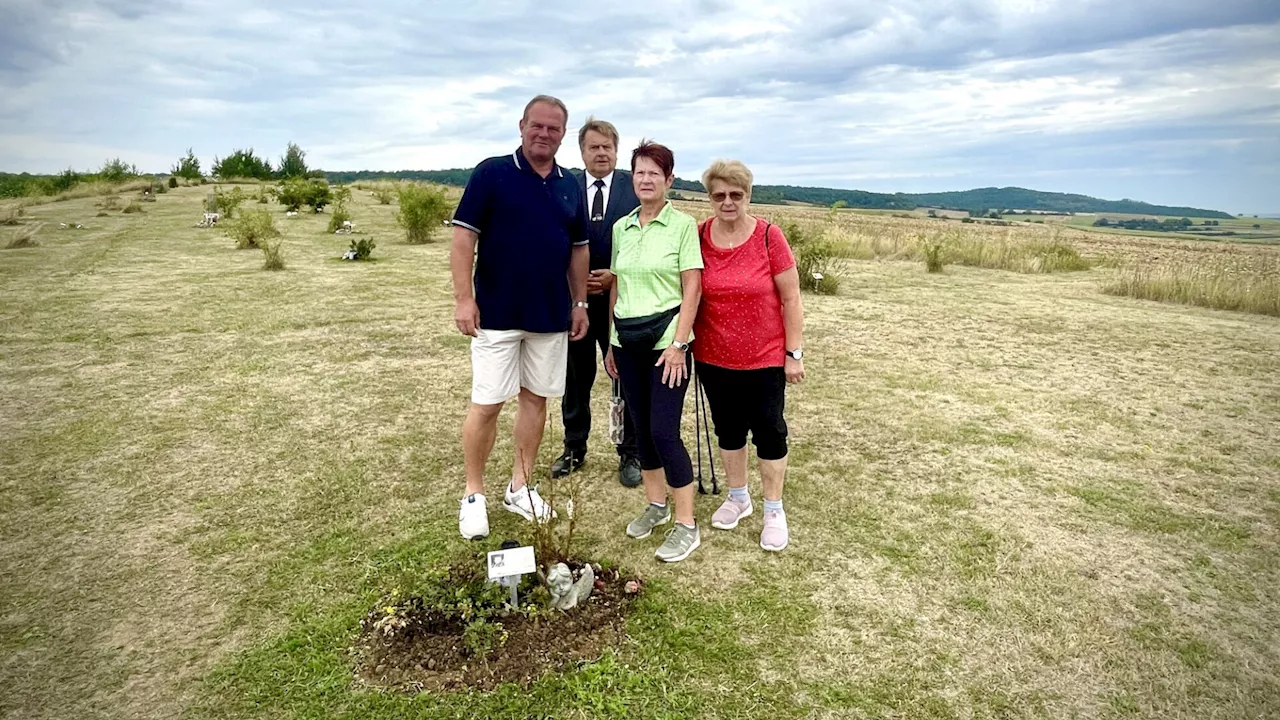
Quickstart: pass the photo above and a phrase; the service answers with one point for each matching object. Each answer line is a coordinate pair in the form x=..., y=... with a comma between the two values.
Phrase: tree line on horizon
x=246, y=163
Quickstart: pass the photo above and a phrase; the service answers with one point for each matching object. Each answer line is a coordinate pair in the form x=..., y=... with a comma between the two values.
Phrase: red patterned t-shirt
x=739, y=323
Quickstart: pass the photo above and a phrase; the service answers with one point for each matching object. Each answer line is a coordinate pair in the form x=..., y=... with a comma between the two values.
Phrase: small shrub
x=23, y=238
x=110, y=202
x=361, y=249
x=384, y=194
x=482, y=637
x=252, y=228
x=173, y=182
x=933, y=249
x=817, y=260
x=337, y=217
x=967, y=220
x=296, y=192
x=133, y=207
x=159, y=188
x=272, y=254
x=423, y=208
x=224, y=203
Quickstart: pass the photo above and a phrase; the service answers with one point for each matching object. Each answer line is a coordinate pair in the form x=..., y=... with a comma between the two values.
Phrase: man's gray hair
x=548, y=100
x=601, y=126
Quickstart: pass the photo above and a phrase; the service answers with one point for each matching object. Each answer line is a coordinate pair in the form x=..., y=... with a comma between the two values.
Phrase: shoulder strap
x=767, y=227
x=705, y=230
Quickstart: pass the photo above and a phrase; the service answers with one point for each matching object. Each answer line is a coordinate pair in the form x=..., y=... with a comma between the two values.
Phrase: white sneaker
x=527, y=503
x=473, y=517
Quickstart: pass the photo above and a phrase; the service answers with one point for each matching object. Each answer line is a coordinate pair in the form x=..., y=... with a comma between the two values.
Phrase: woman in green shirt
x=658, y=265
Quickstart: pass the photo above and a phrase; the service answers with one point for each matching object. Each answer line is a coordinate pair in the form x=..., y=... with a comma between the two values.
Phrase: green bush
x=225, y=203
x=296, y=192
x=173, y=181
x=423, y=208
x=337, y=217
x=293, y=163
x=187, y=167
x=242, y=164
x=482, y=637
x=252, y=229
x=361, y=249
x=817, y=260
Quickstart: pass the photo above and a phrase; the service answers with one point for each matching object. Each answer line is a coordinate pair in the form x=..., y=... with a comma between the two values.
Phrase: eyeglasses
x=735, y=196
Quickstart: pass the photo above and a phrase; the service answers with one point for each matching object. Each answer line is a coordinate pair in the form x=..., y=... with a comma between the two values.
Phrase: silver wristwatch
x=796, y=354
x=581, y=304
x=681, y=346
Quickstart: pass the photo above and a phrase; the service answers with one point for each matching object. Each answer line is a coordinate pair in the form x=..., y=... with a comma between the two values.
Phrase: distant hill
x=1009, y=198
x=1016, y=198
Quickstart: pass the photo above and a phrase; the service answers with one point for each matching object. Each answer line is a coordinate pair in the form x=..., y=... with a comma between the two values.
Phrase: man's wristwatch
x=581, y=304
x=682, y=347
x=796, y=354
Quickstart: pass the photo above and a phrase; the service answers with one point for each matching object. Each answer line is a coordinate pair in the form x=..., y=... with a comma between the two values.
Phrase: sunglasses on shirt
x=735, y=196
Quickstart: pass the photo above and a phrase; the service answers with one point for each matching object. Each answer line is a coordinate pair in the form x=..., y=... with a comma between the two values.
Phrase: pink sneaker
x=727, y=517
x=774, y=536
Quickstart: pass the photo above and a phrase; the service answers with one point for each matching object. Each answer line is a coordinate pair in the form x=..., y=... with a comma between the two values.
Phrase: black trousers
x=745, y=401
x=656, y=410
x=583, y=363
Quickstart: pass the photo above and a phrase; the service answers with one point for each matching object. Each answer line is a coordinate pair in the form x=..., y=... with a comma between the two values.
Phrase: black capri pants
x=655, y=411
x=747, y=400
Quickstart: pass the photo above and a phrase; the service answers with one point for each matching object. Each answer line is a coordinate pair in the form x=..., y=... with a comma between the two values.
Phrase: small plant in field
x=23, y=238
x=224, y=203
x=110, y=202
x=133, y=207
x=272, y=254
x=384, y=194
x=252, y=229
x=423, y=208
x=173, y=182
x=159, y=188
x=360, y=249
x=482, y=637
x=296, y=192
x=817, y=261
x=337, y=218
x=934, y=254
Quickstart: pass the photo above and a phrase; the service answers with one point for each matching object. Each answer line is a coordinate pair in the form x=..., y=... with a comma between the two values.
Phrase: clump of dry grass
x=965, y=246
x=133, y=207
x=23, y=238
x=272, y=254
x=12, y=215
x=1207, y=283
x=110, y=202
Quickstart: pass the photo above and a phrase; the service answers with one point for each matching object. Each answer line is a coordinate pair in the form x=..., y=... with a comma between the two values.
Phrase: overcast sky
x=1169, y=101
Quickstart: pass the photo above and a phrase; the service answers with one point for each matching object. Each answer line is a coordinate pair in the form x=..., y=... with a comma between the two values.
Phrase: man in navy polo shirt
x=519, y=262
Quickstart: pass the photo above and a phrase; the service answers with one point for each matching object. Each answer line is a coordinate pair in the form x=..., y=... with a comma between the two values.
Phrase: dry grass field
x=1011, y=494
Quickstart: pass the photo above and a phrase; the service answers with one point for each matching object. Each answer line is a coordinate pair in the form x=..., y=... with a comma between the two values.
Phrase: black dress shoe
x=570, y=461
x=629, y=471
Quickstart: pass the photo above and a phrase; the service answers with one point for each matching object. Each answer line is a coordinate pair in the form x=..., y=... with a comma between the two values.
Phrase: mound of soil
x=438, y=660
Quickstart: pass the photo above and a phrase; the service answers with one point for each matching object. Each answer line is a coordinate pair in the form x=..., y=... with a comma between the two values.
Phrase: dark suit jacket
x=622, y=200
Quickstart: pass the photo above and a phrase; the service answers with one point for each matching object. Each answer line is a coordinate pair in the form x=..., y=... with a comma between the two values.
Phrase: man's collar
x=522, y=163
x=608, y=179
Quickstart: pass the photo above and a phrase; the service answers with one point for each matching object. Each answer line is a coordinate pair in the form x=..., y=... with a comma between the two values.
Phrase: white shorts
x=503, y=361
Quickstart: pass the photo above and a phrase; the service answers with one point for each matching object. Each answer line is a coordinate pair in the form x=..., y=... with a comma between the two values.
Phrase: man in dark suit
x=609, y=197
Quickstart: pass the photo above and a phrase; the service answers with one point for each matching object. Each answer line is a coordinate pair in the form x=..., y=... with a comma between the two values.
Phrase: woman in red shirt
x=749, y=330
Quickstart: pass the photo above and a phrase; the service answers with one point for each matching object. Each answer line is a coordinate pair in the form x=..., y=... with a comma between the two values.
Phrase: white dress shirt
x=592, y=190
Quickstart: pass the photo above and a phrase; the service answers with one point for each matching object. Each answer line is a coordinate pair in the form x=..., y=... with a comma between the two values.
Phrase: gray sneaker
x=652, y=517
x=679, y=543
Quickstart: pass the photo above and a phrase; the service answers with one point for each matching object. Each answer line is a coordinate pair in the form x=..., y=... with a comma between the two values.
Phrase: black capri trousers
x=747, y=400
x=655, y=411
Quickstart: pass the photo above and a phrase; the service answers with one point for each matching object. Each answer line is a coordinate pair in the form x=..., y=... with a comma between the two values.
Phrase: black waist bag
x=637, y=335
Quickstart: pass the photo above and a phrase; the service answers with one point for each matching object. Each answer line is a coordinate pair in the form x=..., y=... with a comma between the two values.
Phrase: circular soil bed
x=438, y=659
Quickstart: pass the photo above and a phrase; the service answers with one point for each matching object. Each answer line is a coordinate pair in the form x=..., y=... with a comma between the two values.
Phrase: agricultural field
x=1012, y=494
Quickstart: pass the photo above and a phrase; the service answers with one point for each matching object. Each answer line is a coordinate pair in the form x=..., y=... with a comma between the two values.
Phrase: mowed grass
x=1011, y=495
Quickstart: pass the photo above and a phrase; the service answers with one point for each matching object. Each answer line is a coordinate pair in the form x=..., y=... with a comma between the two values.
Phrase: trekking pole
x=697, y=429
x=701, y=398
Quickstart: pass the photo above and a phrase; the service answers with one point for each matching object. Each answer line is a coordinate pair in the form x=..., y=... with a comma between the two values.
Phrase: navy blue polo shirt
x=527, y=225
